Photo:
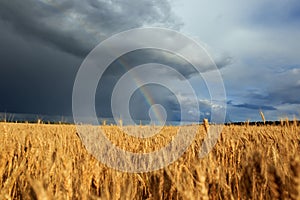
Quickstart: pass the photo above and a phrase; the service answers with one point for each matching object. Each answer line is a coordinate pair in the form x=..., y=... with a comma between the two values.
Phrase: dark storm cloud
x=34, y=78
x=139, y=57
x=77, y=26
x=43, y=44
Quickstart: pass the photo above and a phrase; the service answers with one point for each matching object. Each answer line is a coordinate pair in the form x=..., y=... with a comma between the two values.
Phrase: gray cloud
x=276, y=92
x=43, y=44
x=254, y=107
x=263, y=39
x=281, y=13
x=286, y=87
x=34, y=78
x=77, y=26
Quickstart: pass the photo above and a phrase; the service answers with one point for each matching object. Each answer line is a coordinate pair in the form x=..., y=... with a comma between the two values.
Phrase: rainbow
x=147, y=96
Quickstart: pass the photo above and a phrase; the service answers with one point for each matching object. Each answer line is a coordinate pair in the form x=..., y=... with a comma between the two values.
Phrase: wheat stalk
x=206, y=124
x=262, y=116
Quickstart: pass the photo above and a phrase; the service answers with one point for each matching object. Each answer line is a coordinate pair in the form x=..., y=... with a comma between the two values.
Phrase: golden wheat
x=44, y=161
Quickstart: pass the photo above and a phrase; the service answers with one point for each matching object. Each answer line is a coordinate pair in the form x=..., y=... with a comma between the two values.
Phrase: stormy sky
x=255, y=44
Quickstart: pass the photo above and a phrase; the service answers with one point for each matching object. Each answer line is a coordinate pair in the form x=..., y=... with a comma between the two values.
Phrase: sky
x=255, y=45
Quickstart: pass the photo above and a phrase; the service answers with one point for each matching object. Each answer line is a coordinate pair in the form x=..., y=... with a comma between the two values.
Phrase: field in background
x=39, y=161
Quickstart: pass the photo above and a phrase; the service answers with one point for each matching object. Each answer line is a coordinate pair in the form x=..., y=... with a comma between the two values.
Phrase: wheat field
x=43, y=161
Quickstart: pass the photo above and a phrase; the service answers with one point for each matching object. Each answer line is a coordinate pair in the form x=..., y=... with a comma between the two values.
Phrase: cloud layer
x=44, y=42
x=255, y=44
x=77, y=26
x=262, y=39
